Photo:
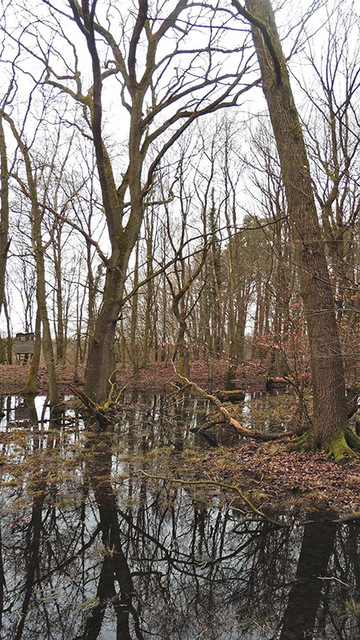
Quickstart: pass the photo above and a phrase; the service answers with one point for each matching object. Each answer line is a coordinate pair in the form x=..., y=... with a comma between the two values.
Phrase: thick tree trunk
x=182, y=350
x=100, y=363
x=4, y=210
x=329, y=405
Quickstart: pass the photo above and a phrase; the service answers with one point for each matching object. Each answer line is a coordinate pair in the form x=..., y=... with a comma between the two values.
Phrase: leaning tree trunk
x=329, y=403
x=4, y=210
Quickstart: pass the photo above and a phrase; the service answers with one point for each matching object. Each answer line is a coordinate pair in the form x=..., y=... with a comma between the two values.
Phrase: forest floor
x=275, y=478
x=159, y=376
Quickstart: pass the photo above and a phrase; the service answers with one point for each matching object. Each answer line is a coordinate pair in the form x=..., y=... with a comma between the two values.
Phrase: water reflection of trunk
x=115, y=567
x=33, y=537
x=305, y=594
x=2, y=574
x=33, y=534
x=39, y=477
x=2, y=581
x=354, y=533
x=180, y=419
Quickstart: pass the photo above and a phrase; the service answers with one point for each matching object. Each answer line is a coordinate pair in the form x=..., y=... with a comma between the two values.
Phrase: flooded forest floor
x=275, y=479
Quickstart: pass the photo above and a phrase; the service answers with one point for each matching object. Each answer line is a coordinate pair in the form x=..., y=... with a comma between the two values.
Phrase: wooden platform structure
x=24, y=347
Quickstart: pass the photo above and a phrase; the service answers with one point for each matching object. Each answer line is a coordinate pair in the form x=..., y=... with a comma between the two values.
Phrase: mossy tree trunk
x=329, y=397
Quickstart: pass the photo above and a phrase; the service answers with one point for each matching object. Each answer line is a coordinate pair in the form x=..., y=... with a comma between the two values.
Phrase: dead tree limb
x=243, y=431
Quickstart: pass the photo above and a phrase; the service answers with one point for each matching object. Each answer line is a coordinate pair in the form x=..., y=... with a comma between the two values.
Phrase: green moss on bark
x=344, y=442
x=302, y=442
x=236, y=395
x=339, y=448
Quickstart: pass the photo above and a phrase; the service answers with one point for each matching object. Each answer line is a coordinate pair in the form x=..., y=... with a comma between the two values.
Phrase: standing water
x=91, y=547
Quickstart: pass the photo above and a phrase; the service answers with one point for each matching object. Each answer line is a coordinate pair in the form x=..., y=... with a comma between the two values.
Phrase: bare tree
x=166, y=80
x=29, y=188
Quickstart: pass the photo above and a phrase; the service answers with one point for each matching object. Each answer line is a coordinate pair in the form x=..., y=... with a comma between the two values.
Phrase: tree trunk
x=149, y=303
x=59, y=311
x=100, y=363
x=9, y=341
x=182, y=350
x=30, y=386
x=47, y=345
x=329, y=405
x=4, y=210
x=38, y=248
x=134, y=351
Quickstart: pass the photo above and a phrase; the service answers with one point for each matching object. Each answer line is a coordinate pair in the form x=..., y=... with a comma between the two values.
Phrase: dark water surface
x=91, y=548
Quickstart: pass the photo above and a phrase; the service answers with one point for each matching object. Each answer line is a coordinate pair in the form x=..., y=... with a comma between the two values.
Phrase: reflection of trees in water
x=87, y=556
x=114, y=585
x=344, y=565
x=305, y=594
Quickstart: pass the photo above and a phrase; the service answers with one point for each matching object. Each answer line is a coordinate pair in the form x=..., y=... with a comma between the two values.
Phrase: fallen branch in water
x=243, y=431
x=222, y=485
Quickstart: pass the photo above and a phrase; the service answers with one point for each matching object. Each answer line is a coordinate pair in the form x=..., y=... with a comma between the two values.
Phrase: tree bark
x=4, y=210
x=329, y=404
x=100, y=362
x=134, y=351
x=30, y=386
